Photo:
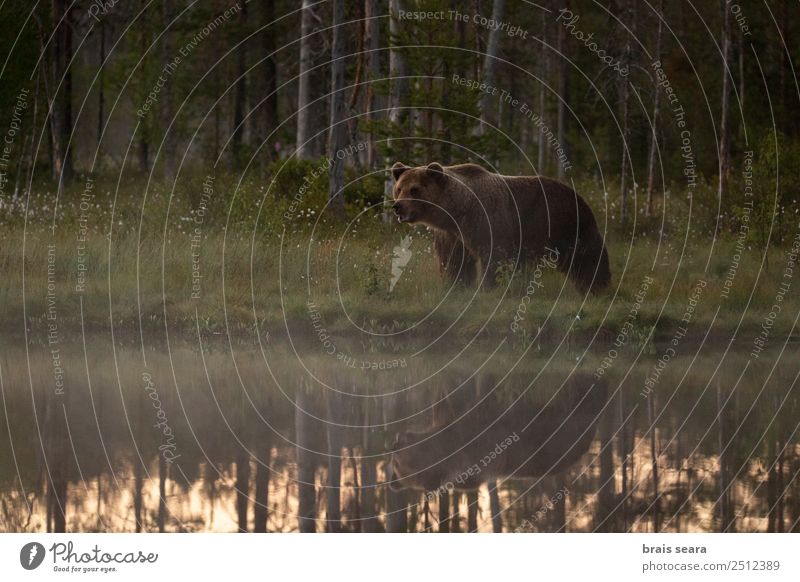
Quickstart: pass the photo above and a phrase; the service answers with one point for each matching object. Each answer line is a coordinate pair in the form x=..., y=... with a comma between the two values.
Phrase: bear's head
x=423, y=195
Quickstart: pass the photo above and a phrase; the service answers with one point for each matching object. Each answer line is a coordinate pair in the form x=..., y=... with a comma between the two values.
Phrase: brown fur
x=545, y=440
x=480, y=219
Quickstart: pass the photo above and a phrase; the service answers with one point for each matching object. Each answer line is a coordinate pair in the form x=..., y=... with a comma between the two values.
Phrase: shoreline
x=184, y=332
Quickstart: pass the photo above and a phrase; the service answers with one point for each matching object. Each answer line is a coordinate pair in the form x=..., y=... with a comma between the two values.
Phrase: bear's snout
x=402, y=211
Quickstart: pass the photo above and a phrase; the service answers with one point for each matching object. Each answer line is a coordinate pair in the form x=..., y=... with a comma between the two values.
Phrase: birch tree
x=490, y=60
x=544, y=62
x=563, y=98
x=724, y=130
x=372, y=46
x=625, y=90
x=651, y=163
x=240, y=91
x=270, y=71
x=167, y=100
x=397, y=71
x=338, y=128
x=399, y=92
x=304, y=113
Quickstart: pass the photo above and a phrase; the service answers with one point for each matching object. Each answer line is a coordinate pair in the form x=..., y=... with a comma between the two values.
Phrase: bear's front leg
x=456, y=262
x=487, y=273
x=491, y=263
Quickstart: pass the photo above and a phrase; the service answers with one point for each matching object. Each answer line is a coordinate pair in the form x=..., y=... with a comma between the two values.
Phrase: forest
x=677, y=121
x=212, y=320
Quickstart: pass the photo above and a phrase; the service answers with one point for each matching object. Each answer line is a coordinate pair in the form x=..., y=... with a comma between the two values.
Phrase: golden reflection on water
x=91, y=465
x=106, y=503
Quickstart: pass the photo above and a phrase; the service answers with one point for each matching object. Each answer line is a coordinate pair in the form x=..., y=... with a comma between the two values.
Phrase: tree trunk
x=651, y=163
x=242, y=488
x=723, y=501
x=740, y=50
x=240, y=93
x=396, y=501
x=472, y=511
x=772, y=485
x=369, y=476
x=563, y=97
x=654, y=463
x=270, y=105
x=781, y=487
x=624, y=453
x=138, y=504
x=372, y=44
x=353, y=104
x=396, y=511
x=724, y=130
x=544, y=62
x=66, y=97
x=338, y=127
x=162, y=493
x=58, y=501
x=606, y=488
x=397, y=72
x=333, y=489
x=786, y=71
x=166, y=96
x=443, y=129
x=397, y=97
x=261, y=503
x=559, y=519
x=30, y=156
x=59, y=92
x=55, y=459
x=304, y=110
x=455, y=513
x=56, y=463
x=490, y=60
x=630, y=12
x=101, y=96
x=144, y=136
x=444, y=512
x=494, y=508
x=306, y=469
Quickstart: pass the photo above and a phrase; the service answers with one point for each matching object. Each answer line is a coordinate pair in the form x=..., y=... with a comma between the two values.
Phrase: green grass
x=264, y=279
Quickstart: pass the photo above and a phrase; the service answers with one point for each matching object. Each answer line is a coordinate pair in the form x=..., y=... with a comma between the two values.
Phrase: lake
x=104, y=433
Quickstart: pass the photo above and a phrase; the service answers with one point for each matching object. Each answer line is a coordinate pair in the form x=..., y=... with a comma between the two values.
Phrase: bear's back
x=468, y=170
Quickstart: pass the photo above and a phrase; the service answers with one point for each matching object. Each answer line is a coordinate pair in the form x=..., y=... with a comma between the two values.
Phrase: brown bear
x=481, y=220
x=489, y=439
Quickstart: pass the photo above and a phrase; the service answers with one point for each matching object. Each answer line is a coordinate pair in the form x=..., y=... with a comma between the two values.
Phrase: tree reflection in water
x=266, y=447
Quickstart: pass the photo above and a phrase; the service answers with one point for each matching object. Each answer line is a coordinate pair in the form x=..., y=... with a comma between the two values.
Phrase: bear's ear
x=436, y=171
x=398, y=169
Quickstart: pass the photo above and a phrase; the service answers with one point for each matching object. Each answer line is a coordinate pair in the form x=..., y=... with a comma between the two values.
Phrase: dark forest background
x=262, y=81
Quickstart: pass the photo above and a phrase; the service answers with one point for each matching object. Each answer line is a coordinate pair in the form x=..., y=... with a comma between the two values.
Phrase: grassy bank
x=257, y=267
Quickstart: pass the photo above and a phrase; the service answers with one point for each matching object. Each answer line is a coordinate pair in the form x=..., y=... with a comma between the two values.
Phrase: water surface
x=374, y=436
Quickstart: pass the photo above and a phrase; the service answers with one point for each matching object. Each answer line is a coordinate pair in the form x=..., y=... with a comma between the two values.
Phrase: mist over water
x=550, y=438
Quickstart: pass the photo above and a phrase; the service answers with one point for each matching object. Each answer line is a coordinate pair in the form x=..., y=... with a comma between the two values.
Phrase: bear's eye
x=414, y=192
